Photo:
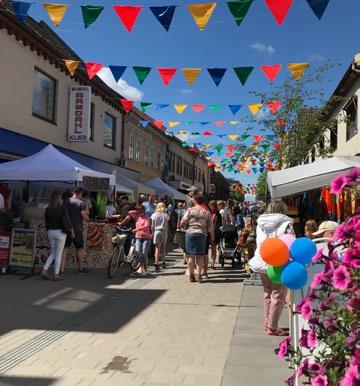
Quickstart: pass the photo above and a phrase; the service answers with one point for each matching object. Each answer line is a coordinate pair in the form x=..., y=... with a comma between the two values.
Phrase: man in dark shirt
x=123, y=206
x=77, y=213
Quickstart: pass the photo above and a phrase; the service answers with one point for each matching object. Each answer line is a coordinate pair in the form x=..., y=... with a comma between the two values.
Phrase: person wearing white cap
x=326, y=229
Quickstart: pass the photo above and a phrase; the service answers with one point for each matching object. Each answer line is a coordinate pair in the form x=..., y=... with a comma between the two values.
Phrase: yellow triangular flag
x=191, y=74
x=173, y=123
x=233, y=137
x=297, y=69
x=56, y=12
x=182, y=132
x=71, y=65
x=180, y=108
x=201, y=13
x=254, y=108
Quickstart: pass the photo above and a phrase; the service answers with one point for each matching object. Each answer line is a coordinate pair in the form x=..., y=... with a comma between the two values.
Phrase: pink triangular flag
x=219, y=123
x=198, y=108
x=93, y=68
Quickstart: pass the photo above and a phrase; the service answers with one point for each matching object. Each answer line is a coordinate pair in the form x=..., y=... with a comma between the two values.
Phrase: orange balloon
x=274, y=252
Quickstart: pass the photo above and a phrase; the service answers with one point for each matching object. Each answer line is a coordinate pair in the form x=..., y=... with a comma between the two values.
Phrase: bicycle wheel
x=134, y=263
x=114, y=261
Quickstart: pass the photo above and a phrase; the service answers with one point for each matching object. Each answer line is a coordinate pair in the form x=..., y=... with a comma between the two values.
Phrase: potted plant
x=100, y=206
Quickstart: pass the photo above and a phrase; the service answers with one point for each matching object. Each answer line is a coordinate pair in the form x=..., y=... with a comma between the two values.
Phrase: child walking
x=143, y=239
x=159, y=227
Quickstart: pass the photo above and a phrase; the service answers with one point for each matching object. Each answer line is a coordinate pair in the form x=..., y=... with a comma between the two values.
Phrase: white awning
x=164, y=189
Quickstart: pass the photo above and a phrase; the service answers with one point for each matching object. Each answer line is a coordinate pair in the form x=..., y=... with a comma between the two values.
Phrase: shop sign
x=96, y=184
x=4, y=248
x=79, y=114
x=212, y=188
x=22, y=252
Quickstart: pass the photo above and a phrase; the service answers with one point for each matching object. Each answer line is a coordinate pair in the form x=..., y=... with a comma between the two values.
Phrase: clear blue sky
x=301, y=38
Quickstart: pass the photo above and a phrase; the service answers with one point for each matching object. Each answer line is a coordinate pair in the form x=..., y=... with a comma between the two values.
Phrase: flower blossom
x=290, y=381
x=341, y=278
x=320, y=380
x=351, y=378
x=317, y=280
x=318, y=256
x=303, y=368
x=306, y=309
x=284, y=348
x=353, y=176
x=338, y=184
x=308, y=338
x=351, y=257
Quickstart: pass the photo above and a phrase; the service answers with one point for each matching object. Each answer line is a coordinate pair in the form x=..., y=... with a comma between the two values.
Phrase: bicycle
x=118, y=256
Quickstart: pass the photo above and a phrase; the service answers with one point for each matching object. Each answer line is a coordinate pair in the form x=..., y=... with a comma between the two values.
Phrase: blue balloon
x=302, y=250
x=294, y=276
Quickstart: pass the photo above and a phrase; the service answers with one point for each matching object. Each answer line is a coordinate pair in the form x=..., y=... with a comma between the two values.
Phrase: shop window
x=109, y=131
x=351, y=114
x=44, y=96
x=92, y=121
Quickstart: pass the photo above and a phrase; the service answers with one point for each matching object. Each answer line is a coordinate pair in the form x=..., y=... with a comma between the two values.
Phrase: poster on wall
x=22, y=251
x=4, y=248
x=79, y=114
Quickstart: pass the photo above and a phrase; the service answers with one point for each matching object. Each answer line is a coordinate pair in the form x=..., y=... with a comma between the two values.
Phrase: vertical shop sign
x=23, y=247
x=79, y=114
x=4, y=248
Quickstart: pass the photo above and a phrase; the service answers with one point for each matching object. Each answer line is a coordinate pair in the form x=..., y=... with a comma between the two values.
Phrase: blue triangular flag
x=221, y=135
x=117, y=72
x=235, y=171
x=144, y=123
x=204, y=123
x=254, y=170
x=160, y=106
x=217, y=74
x=234, y=108
x=210, y=153
x=262, y=169
x=318, y=7
x=164, y=15
x=271, y=137
x=21, y=9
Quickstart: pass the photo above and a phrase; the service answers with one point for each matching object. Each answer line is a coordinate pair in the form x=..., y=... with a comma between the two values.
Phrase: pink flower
x=290, y=381
x=341, y=278
x=352, y=377
x=284, y=348
x=354, y=303
x=353, y=175
x=338, y=184
x=340, y=232
x=317, y=280
x=351, y=257
x=318, y=256
x=355, y=360
x=306, y=309
x=303, y=368
x=324, y=305
x=320, y=380
x=307, y=339
x=311, y=339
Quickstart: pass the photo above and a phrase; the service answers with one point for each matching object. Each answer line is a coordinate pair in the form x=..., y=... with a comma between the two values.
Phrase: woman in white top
x=159, y=228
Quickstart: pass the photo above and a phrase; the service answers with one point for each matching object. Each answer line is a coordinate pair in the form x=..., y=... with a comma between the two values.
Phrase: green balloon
x=274, y=274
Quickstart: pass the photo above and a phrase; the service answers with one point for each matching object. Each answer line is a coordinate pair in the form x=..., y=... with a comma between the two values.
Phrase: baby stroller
x=228, y=247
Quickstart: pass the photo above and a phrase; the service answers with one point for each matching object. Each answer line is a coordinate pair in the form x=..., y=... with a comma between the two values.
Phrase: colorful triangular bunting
x=233, y=137
x=274, y=106
x=207, y=133
x=279, y=9
x=126, y=104
x=166, y=74
x=318, y=7
x=180, y=108
x=198, y=108
x=90, y=13
x=21, y=9
x=93, y=68
x=144, y=123
x=216, y=107
x=191, y=74
x=243, y=73
x=219, y=123
x=254, y=108
x=141, y=73
x=117, y=72
x=145, y=106
x=127, y=14
x=239, y=9
x=173, y=123
x=297, y=69
x=158, y=123
x=271, y=72
x=234, y=108
x=71, y=65
x=201, y=13
x=164, y=14
x=56, y=12
x=160, y=106
x=217, y=74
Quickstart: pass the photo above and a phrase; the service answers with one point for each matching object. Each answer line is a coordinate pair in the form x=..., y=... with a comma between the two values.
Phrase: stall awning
x=49, y=164
x=164, y=189
x=302, y=178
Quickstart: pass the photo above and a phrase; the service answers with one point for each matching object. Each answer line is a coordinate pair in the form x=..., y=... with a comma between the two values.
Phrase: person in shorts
x=78, y=214
x=159, y=227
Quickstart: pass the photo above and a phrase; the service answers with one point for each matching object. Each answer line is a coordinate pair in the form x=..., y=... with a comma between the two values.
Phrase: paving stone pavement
x=90, y=330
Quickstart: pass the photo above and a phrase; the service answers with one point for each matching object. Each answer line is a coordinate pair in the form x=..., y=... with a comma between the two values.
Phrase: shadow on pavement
x=26, y=381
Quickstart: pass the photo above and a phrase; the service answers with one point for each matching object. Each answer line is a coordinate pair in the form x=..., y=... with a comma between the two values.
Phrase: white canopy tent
x=49, y=164
x=302, y=178
x=162, y=188
x=136, y=186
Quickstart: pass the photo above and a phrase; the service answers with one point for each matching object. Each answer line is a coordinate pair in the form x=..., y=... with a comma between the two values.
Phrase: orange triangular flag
x=191, y=74
x=201, y=13
x=297, y=69
x=56, y=12
x=71, y=65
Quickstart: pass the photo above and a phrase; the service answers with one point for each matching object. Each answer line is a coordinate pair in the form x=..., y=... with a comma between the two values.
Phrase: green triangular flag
x=216, y=107
x=218, y=147
x=245, y=137
x=145, y=106
x=185, y=145
x=239, y=9
x=265, y=146
x=296, y=104
x=141, y=73
x=90, y=13
x=243, y=73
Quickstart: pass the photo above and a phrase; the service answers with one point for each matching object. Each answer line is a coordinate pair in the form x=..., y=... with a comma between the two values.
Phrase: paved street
x=89, y=330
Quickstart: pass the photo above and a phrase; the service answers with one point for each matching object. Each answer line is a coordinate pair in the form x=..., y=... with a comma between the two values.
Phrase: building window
x=132, y=148
x=147, y=155
x=138, y=150
x=109, y=131
x=44, y=96
x=152, y=156
x=179, y=166
x=158, y=161
x=92, y=121
x=351, y=113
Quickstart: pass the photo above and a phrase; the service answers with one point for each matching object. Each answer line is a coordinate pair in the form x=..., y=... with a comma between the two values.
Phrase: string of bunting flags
x=201, y=13
x=271, y=72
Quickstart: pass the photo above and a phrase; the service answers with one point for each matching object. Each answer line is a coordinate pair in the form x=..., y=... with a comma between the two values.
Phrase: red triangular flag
x=279, y=8
x=280, y=122
x=126, y=104
x=271, y=71
x=231, y=148
x=219, y=123
x=93, y=68
x=277, y=146
x=128, y=14
x=274, y=106
x=198, y=108
x=207, y=133
x=166, y=74
x=257, y=138
x=158, y=123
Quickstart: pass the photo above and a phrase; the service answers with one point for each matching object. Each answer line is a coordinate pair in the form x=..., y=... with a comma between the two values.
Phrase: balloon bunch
x=286, y=257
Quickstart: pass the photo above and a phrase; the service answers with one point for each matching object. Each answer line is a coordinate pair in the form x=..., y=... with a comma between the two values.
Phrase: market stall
x=55, y=168
x=163, y=189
